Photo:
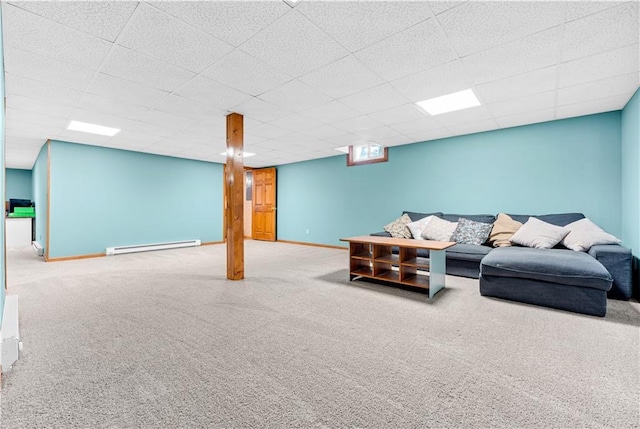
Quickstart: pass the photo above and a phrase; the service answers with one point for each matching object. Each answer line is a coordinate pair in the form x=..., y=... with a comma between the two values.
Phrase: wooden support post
x=234, y=186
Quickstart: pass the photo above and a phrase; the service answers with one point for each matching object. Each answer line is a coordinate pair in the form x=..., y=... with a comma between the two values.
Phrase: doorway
x=263, y=218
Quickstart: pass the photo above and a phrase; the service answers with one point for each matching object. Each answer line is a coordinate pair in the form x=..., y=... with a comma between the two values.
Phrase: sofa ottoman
x=556, y=278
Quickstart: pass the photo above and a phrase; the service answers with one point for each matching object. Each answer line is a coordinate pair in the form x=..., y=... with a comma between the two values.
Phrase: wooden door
x=263, y=222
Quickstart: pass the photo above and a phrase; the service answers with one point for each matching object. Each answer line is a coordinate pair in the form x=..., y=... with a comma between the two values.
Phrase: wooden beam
x=234, y=187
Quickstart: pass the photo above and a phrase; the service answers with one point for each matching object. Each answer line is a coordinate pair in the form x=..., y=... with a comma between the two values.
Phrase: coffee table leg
x=437, y=270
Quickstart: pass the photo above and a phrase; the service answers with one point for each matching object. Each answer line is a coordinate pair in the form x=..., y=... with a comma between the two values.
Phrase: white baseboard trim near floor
x=155, y=246
x=10, y=346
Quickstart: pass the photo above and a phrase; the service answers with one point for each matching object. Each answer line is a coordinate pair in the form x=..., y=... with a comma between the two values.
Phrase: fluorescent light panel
x=244, y=154
x=86, y=127
x=449, y=103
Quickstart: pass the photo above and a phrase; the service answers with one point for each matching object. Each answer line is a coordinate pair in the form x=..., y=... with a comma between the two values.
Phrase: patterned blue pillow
x=471, y=232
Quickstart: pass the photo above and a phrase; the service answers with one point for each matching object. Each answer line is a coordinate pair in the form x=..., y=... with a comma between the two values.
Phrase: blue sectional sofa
x=558, y=278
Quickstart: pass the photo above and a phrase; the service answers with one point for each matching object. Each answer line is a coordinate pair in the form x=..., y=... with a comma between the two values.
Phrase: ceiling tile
x=441, y=80
x=518, y=86
x=188, y=108
x=524, y=104
x=17, y=128
x=613, y=63
x=396, y=115
x=294, y=45
x=374, y=134
x=19, y=85
x=295, y=95
x=420, y=47
x=474, y=114
x=517, y=57
x=178, y=43
x=400, y=139
x=238, y=70
x=167, y=120
x=256, y=108
x=526, y=118
x=135, y=67
x=590, y=35
x=343, y=77
x=38, y=106
x=104, y=19
x=213, y=93
x=442, y=6
x=296, y=122
x=32, y=33
x=231, y=21
x=330, y=112
x=111, y=106
x=267, y=131
x=125, y=91
x=426, y=123
x=375, y=99
x=104, y=119
x=323, y=132
x=578, y=9
x=618, y=85
x=476, y=26
x=597, y=106
x=362, y=122
x=359, y=24
x=473, y=127
x=423, y=136
x=29, y=117
x=37, y=67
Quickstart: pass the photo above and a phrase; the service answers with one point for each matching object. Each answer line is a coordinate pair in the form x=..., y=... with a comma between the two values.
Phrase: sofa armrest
x=618, y=261
x=381, y=234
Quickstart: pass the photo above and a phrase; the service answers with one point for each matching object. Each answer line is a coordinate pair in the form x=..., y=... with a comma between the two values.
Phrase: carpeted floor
x=162, y=339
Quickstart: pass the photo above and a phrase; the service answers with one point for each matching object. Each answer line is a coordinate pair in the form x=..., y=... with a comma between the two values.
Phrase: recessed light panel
x=449, y=103
x=86, y=127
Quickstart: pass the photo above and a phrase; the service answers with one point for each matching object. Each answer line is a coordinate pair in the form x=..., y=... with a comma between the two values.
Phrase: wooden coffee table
x=371, y=257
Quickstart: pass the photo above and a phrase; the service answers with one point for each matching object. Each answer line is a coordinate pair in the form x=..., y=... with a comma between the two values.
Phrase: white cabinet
x=18, y=232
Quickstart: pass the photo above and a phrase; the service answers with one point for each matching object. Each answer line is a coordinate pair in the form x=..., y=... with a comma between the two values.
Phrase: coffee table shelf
x=372, y=257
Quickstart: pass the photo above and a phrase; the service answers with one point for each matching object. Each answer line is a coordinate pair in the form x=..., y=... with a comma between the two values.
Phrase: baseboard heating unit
x=148, y=247
x=38, y=248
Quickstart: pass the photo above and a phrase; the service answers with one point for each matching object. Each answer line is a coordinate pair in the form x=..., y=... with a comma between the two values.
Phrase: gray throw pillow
x=471, y=232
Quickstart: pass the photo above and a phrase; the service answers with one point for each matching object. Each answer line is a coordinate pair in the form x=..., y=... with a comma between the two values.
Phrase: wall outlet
x=306, y=231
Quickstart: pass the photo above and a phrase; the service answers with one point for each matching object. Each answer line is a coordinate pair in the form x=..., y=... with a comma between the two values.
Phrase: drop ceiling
x=308, y=77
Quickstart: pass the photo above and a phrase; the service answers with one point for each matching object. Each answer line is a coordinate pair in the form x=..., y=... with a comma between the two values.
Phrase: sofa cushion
x=539, y=234
x=503, y=229
x=583, y=234
x=439, y=229
x=417, y=216
x=418, y=226
x=484, y=218
x=467, y=252
x=398, y=228
x=559, y=219
x=471, y=232
x=550, y=265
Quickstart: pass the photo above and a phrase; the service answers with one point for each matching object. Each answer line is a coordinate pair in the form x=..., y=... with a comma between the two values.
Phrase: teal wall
x=103, y=197
x=3, y=264
x=631, y=174
x=39, y=193
x=19, y=184
x=570, y=165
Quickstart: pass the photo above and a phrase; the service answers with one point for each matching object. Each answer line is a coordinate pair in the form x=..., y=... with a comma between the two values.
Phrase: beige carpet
x=162, y=339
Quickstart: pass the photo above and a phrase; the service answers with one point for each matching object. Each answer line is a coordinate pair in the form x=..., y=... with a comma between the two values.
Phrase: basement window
x=367, y=153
